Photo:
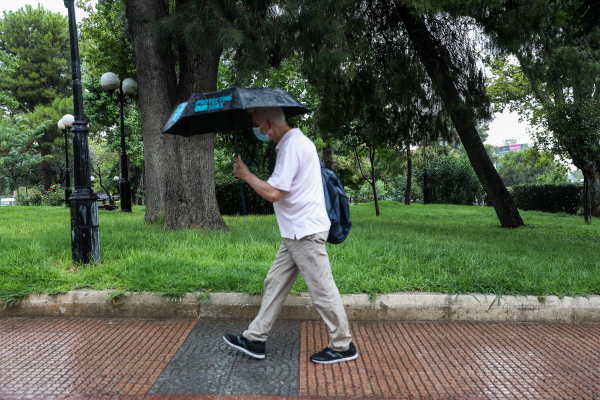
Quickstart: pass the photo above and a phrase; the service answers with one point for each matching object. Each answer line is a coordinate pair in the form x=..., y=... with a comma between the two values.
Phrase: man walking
x=296, y=191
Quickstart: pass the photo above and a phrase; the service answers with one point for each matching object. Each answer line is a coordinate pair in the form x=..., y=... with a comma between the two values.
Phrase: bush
x=365, y=193
x=55, y=196
x=229, y=198
x=452, y=180
x=33, y=197
x=397, y=189
x=549, y=198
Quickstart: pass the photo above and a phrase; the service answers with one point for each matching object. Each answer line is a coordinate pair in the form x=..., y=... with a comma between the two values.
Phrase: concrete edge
x=387, y=307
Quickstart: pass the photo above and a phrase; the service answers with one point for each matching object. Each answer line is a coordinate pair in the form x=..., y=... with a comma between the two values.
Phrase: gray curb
x=388, y=307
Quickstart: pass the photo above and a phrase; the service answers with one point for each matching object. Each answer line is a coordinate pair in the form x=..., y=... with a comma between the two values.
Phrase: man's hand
x=240, y=170
x=266, y=191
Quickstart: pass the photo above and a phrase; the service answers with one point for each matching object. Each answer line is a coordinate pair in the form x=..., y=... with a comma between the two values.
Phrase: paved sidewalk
x=86, y=358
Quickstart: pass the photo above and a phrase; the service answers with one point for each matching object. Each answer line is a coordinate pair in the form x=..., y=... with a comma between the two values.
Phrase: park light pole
x=85, y=228
x=111, y=82
x=64, y=124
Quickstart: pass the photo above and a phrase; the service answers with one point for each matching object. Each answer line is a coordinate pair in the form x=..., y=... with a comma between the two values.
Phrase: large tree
x=556, y=78
x=179, y=171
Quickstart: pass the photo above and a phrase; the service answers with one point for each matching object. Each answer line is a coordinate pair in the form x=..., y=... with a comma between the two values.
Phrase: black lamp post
x=111, y=82
x=85, y=229
x=64, y=124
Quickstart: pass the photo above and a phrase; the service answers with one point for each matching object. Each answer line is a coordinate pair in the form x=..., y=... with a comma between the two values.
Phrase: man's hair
x=275, y=114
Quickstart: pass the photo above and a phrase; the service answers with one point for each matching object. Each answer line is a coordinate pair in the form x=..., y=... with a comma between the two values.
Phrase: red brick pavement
x=458, y=361
x=71, y=359
x=48, y=357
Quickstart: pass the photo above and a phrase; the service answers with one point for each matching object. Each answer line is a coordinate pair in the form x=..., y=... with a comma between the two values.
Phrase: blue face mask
x=260, y=136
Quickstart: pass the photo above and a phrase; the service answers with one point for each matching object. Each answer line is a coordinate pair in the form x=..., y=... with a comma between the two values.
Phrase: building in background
x=510, y=145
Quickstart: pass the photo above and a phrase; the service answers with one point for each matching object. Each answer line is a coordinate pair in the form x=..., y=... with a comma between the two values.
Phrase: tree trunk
x=136, y=185
x=46, y=170
x=373, y=182
x=437, y=62
x=591, y=171
x=408, y=176
x=179, y=171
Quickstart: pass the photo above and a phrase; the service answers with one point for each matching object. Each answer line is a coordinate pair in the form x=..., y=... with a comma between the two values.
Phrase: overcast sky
x=504, y=126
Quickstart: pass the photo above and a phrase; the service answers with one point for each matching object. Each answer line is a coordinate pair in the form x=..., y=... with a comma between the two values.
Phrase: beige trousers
x=309, y=257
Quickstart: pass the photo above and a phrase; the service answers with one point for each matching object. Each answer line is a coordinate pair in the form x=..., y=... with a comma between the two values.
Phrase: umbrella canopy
x=226, y=110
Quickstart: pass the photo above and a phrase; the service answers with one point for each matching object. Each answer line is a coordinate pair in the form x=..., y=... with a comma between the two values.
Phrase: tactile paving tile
x=62, y=356
x=458, y=361
x=206, y=364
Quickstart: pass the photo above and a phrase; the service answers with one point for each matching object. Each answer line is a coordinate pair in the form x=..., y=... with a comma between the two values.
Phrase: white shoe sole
x=354, y=357
x=253, y=355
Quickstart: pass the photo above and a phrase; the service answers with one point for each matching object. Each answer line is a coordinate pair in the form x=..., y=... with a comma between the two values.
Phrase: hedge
x=452, y=180
x=549, y=198
x=229, y=199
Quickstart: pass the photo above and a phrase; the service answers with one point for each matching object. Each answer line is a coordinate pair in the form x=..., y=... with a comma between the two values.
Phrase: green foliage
x=577, y=127
x=52, y=141
x=202, y=24
x=104, y=164
x=365, y=192
x=567, y=198
x=105, y=44
x=508, y=87
x=8, y=65
x=39, y=39
x=102, y=112
x=396, y=188
x=55, y=197
x=19, y=148
x=451, y=180
x=529, y=166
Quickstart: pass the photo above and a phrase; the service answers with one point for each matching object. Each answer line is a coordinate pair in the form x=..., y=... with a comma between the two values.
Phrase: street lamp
x=111, y=82
x=64, y=124
x=85, y=229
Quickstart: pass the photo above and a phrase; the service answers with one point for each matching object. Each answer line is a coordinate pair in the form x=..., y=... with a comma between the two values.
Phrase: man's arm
x=261, y=187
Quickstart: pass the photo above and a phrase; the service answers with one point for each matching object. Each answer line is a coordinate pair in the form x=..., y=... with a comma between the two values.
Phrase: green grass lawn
x=434, y=248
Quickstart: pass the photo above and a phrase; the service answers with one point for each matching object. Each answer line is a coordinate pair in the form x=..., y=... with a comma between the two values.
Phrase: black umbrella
x=227, y=110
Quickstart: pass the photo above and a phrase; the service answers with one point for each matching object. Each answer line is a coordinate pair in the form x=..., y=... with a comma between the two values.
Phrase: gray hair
x=275, y=114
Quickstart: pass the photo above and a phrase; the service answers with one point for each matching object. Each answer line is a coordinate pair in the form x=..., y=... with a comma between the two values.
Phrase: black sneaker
x=253, y=349
x=328, y=356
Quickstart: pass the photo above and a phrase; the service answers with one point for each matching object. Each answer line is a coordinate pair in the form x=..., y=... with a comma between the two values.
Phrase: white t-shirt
x=301, y=210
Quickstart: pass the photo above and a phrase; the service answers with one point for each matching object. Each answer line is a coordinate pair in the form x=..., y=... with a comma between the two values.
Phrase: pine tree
x=39, y=41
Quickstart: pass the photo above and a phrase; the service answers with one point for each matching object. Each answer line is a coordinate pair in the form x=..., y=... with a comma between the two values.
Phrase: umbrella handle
x=245, y=213
x=235, y=136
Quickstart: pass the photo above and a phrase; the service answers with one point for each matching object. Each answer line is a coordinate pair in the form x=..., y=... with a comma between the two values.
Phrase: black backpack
x=338, y=207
